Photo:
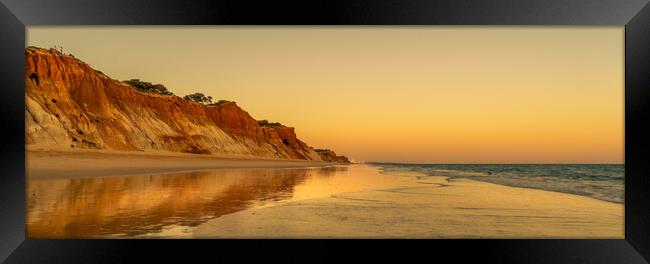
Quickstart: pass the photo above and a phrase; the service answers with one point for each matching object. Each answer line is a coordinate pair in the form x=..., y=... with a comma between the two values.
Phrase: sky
x=426, y=94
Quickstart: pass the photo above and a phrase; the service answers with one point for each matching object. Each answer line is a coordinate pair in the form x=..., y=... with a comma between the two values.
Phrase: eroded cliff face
x=70, y=105
x=330, y=156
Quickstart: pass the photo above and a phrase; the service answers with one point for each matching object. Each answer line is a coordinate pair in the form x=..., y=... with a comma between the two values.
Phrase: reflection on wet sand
x=139, y=205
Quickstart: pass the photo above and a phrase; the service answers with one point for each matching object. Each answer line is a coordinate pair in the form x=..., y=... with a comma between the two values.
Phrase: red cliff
x=71, y=105
x=330, y=156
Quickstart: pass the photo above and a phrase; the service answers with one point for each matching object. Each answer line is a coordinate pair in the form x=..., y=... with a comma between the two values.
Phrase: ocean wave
x=600, y=181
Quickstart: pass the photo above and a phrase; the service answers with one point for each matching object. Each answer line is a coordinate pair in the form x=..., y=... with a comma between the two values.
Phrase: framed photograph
x=514, y=130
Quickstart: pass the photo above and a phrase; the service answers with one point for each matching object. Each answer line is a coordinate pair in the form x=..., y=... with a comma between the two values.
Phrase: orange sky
x=403, y=94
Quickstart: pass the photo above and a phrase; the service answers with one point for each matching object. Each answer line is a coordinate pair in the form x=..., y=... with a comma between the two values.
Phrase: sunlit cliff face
x=70, y=105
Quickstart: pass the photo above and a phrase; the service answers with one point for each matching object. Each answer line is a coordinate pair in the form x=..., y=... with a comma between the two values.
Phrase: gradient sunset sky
x=401, y=94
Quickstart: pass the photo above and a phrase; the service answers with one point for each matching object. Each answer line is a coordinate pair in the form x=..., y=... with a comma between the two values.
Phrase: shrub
x=199, y=98
x=148, y=87
x=266, y=123
x=220, y=102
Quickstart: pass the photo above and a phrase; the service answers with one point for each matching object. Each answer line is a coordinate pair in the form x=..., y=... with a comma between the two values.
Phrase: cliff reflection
x=137, y=205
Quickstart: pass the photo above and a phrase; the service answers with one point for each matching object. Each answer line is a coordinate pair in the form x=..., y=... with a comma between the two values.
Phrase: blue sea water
x=601, y=181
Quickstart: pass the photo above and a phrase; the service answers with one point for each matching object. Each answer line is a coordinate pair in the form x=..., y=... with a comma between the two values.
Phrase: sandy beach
x=94, y=163
x=199, y=196
x=422, y=206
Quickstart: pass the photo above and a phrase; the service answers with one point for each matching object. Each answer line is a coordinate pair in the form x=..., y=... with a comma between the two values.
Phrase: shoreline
x=541, y=189
x=58, y=164
x=485, y=180
x=450, y=179
x=424, y=206
x=399, y=204
x=43, y=163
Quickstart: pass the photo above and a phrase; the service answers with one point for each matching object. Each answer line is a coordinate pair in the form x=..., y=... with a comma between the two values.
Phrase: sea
x=600, y=181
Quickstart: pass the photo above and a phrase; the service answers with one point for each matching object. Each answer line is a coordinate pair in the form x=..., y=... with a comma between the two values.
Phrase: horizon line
x=406, y=163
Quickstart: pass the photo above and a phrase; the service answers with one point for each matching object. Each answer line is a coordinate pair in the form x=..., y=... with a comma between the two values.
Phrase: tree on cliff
x=148, y=87
x=266, y=123
x=199, y=98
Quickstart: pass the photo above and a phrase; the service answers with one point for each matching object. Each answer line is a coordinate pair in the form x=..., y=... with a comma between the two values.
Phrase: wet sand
x=71, y=196
x=420, y=206
x=170, y=205
x=92, y=163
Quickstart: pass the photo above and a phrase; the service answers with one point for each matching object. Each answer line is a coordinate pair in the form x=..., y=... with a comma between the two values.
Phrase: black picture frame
x=15, y=15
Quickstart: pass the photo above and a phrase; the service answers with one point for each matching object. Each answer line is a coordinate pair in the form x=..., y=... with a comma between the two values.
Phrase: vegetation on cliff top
x=148, y=87
x=56, y=50
x=266, y=123
x=199, y=98
x=203, y=99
